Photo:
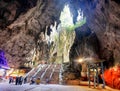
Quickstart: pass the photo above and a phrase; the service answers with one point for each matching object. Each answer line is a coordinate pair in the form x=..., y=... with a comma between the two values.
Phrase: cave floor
x=48, y=87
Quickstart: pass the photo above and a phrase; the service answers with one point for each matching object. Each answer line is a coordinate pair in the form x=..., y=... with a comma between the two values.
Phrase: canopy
x=3, y=63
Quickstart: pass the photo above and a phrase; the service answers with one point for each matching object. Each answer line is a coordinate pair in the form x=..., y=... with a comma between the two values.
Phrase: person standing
x=25, y=79
x=20, y=80
x=17, y=80
x=10, y=79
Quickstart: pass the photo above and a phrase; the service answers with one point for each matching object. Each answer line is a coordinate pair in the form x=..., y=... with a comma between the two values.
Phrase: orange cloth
x=112, y=77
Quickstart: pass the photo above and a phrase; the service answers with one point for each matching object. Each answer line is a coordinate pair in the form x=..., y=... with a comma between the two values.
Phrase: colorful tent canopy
x=3, y=61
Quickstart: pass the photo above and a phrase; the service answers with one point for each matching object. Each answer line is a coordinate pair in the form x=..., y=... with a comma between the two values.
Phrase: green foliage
x=67, y=20
x=78, y=24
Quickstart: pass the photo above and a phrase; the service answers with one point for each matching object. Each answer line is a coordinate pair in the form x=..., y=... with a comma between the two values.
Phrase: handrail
x=39, y=68
x=52, y=72
x=45, y=71
x=60, y=74
x=29, y=72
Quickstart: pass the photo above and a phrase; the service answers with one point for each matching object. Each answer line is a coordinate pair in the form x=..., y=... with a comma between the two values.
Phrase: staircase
x=55, y=76
x=32, y=72
x=45, y=71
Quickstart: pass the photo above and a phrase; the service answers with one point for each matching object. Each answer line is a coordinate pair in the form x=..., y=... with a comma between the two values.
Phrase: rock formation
x=23, y=26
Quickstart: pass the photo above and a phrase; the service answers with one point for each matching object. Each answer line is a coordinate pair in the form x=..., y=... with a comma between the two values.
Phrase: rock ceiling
x=23, y=23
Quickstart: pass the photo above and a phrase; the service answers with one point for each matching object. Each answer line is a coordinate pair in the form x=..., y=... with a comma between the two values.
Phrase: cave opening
x=63, y=36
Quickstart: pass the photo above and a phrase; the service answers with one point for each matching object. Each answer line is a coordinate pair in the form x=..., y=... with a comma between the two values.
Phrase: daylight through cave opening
x=63, y=36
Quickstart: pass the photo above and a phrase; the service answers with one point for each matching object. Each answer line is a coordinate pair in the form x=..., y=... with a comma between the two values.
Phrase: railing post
x=103, y=74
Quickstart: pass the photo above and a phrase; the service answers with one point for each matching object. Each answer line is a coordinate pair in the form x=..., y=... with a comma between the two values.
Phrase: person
x=47, y=81
x=38, y=81
x=32, y=81
x=20, y=80
x=10, y=79
x=17, y=80
x=25, y=79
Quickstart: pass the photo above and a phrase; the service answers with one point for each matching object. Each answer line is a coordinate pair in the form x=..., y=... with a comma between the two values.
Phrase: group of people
x=18, y=80
x=37, y=80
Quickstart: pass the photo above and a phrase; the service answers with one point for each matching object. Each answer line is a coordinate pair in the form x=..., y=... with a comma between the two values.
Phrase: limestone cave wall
x=102, y=17
x=23, y=26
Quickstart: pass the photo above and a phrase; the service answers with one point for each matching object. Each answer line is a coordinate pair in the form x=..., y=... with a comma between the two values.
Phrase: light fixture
x=80, y=60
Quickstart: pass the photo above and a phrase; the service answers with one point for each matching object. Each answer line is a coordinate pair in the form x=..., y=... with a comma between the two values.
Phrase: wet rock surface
x=27, y=25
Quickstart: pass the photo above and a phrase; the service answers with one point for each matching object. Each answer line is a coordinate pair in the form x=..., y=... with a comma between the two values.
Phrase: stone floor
x=48, y=87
